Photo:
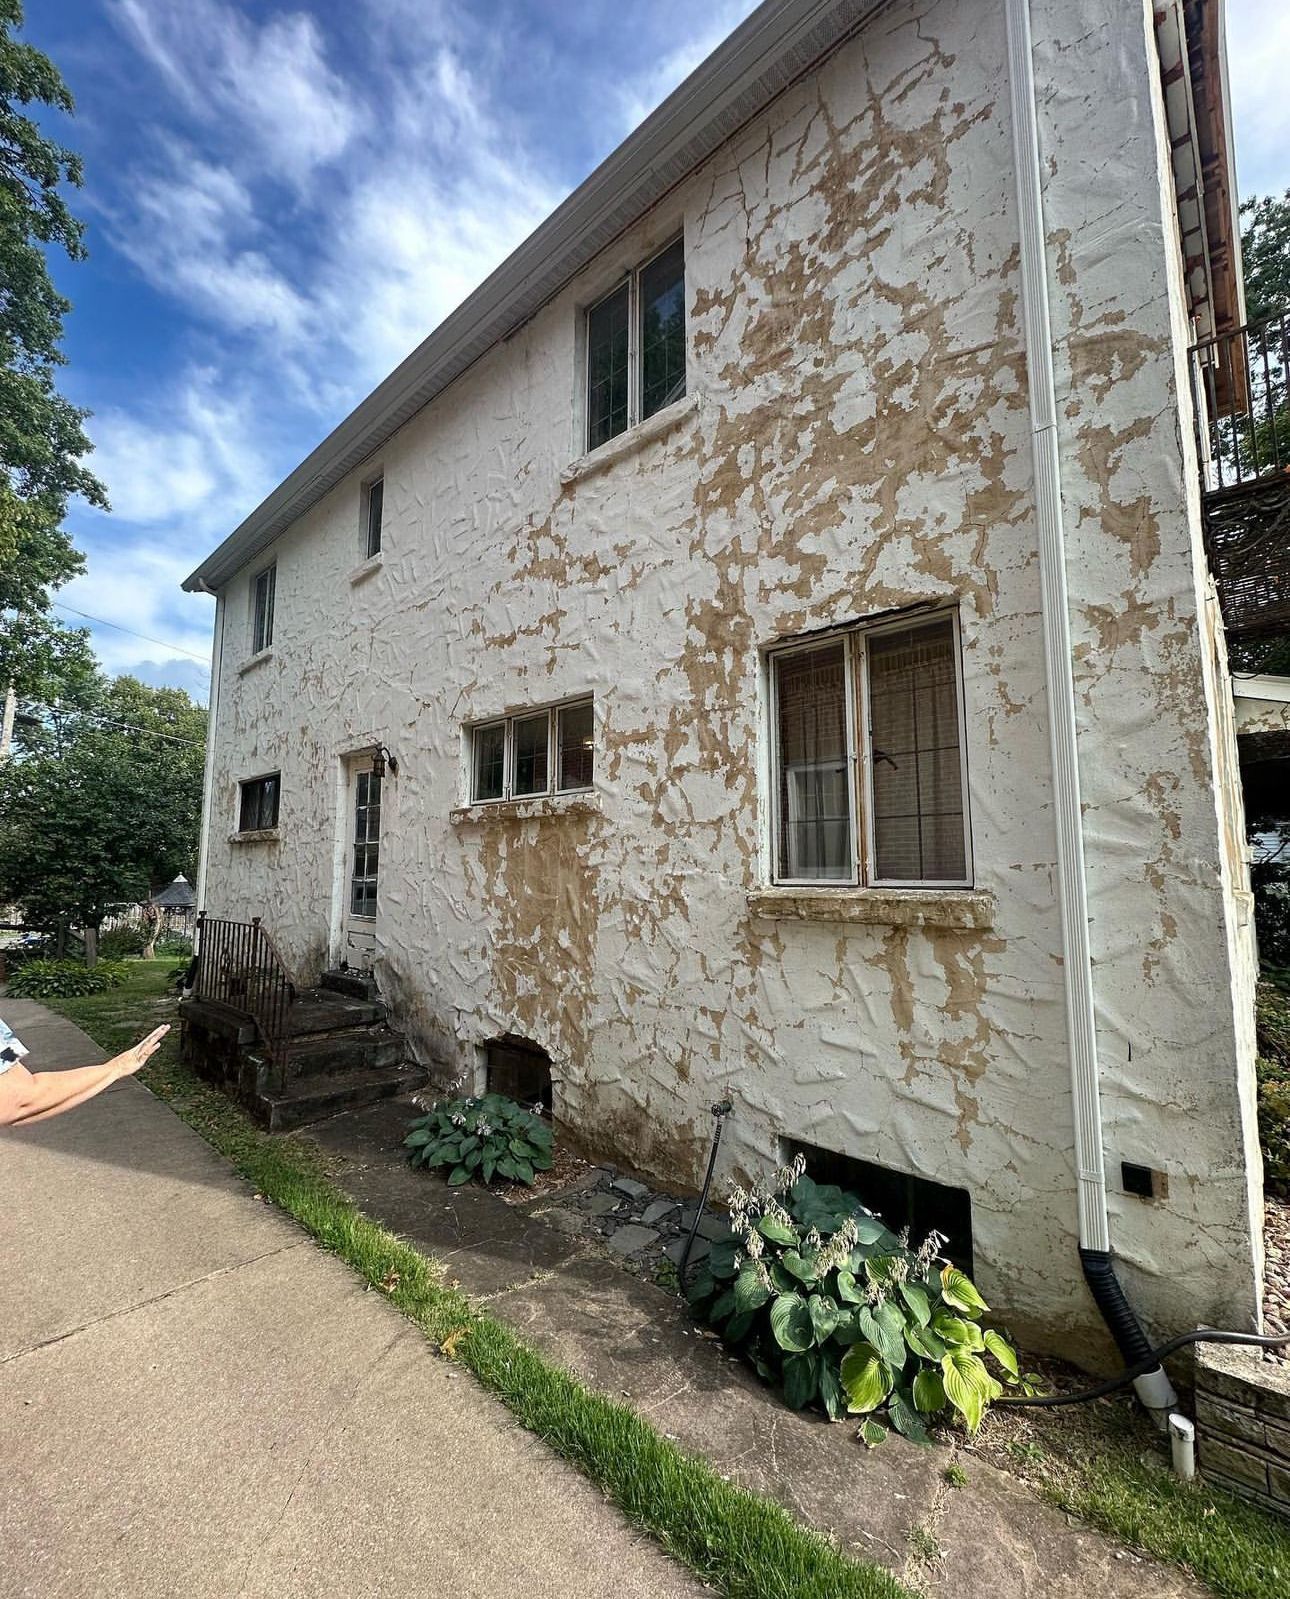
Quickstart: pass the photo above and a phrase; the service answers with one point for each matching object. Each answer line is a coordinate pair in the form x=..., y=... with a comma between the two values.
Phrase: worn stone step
x=320, y=1010
x=313, y=1099
x=346, y=1050
x=221, y=1020
x=357, y=985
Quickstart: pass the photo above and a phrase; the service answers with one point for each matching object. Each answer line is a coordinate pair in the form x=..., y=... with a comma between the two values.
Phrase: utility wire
x=146, y=637
x=126, y=727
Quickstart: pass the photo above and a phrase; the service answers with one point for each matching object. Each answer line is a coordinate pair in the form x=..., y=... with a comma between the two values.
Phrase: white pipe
x=1182, y=1446
x=1155, y=1390
x=208, y=776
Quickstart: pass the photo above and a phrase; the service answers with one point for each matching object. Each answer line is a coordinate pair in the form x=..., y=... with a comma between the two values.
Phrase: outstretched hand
x=130, y=1060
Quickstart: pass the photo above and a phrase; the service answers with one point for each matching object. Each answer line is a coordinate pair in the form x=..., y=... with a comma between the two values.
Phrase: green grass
x=744, y=1546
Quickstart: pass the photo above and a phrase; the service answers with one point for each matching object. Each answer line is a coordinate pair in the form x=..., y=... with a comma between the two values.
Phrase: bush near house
x=47, y=979
x=1273, y=1020
x=487, y=1137
x=121, y=943
x=833, y=1308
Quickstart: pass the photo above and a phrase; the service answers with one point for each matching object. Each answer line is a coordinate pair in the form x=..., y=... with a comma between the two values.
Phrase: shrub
x=122, y=942
x=46, y=979
x=488, y=1137
x=175, y=944
x=830, y=1306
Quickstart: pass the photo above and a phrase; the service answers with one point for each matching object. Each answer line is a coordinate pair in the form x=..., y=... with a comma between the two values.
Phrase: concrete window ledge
x=524, y=810
x=250, y=664
x=892, y=907
x=369, y=568
x=258, y=835
x=655, y=427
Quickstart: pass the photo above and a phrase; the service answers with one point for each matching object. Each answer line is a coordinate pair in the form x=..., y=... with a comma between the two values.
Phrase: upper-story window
x=373, y=512
x=262, y=597
x=542, y=752
x=868, y=759
x=636, y=347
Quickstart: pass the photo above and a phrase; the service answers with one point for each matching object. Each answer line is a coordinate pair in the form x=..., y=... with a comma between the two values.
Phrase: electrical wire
x=126, y=727
x=146, y=637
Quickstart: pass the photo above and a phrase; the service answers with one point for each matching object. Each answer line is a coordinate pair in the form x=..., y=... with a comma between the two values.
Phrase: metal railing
x=1242, y=391
x=239, y=966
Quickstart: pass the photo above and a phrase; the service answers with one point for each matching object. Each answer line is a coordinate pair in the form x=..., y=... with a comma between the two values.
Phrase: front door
x=358, y=927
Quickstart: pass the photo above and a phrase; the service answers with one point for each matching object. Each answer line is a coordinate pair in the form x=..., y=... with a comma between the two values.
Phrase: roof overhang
x=780, y=41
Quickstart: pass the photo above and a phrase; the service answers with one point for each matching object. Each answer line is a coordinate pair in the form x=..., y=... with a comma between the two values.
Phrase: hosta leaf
x=953, y=1329
x=777, y=1231
x=725, y=1306
x=865, y=1377
x=750, y=1292
x=871, y=1434
x=472, y=1160
x=702, y=1286
x=832, y=1396
x=542, y=1161
x=878, y=1334
x=519, y=1148
x=929, y=1392
x=800, y=1382
x=415, y=1140
x=523, y=1171
x=847, y=1288
x=790, y=1321
x=1003, y=1352
x=738, y=1326
x=916, y=1298
x=489, y=1167
x=869, y=1230
x=721, y=1258
x=891, y=1319
x=967, y=1385
x=824, y=1315
x=957, y=1289
x=459, y=1175
x=905, y=1419
x=803, y=1268
x=506, y=1166
x=781, y=1281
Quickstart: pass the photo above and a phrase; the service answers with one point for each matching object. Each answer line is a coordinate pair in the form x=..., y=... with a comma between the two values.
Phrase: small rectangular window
x=907, y=740
x=532, y=736
x=258, y=803
x=636, y=347
x=375, y=510
x=489, y=753
x=607, y=368
x=662, y=330
x=575, y=735
x=262, y=621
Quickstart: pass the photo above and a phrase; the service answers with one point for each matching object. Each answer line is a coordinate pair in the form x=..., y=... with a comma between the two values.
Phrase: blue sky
x=283, y=198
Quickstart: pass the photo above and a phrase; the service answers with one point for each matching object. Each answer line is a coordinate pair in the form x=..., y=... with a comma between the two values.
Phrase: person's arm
x=31, y=1096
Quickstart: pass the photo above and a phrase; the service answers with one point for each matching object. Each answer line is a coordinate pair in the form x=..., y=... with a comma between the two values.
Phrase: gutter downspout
x=1154, y=1390
x=208, y=775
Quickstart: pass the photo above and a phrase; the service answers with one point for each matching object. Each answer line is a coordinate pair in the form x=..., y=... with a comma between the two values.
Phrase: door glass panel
x=367, y=832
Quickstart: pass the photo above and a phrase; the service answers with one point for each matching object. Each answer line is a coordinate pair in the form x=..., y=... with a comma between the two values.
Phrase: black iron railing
x=239, y=966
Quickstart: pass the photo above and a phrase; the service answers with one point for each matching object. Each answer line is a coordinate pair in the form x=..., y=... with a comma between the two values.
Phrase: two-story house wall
x=780, y=588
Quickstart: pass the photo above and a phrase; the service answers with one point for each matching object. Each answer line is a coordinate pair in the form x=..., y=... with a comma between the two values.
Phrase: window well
x=521, y=1070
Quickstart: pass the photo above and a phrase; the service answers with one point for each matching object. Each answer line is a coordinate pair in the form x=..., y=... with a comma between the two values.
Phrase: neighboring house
x=782, y=590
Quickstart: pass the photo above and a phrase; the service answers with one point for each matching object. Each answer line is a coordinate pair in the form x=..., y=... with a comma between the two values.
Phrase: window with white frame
x=263, y=594
x=869, y=771
x=373, y=513
x=636, y=347
x=551, y=751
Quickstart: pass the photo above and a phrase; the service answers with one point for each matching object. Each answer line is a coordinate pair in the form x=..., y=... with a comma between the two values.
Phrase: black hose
x=720, y=1112
x=1115, y=1309
x=1150, y=1360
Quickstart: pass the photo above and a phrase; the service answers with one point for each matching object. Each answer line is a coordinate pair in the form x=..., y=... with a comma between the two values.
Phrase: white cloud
x=645, y=93
x=1258, y=48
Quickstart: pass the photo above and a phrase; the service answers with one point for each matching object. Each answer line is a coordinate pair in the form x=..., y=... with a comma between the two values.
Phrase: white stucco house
x=762, y=645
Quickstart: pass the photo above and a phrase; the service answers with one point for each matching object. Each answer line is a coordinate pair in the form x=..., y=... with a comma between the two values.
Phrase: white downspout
x=208, y=777
x=1072, y=890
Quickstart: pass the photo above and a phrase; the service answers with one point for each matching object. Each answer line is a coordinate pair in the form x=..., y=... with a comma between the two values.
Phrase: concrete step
x=344, y=1051
x=222, y=1020
x=312, y=1099
x=321, y=1010
x=356, y=985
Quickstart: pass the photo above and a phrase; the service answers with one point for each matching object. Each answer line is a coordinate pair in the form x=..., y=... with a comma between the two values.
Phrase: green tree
x=42, y=437
x=108, y=810
x=1265, y=250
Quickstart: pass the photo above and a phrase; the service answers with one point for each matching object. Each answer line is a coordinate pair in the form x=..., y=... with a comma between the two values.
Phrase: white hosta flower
x=483, y=1127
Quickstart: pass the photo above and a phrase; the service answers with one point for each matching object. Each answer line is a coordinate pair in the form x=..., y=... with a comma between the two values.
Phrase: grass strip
x=744, y=1546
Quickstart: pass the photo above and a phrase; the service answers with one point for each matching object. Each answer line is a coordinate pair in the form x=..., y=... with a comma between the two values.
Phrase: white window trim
x=635, y=376
x=859, y=754
x=552, y=712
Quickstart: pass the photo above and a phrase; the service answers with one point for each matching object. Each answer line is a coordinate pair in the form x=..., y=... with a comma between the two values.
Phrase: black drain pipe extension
x=1151, y=1385
x=719, y=1112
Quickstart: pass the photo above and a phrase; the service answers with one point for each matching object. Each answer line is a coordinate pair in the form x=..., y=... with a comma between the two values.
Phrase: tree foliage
x=108, y=809
x=42, y=437
x=1265, y=249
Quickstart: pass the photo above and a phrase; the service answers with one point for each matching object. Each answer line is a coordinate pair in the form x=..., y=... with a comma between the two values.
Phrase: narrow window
x=662, y=330
x=532, y=735
x=607, y=368
x=814, y=800
x=262, y=626
x=489, y=761
x=258, y=803
x=575, y=736
x=367, y=844
x=916, y=757
x=375, y=510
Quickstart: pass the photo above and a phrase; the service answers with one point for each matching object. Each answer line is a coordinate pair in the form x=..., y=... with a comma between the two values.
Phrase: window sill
x=258, y=835
x=368, y=568
x=524, y=810
x=254, y=661
x=964, y=908
x=655, y=427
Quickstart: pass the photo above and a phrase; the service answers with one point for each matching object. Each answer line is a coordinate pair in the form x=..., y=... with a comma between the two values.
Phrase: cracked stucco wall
x=857, y=438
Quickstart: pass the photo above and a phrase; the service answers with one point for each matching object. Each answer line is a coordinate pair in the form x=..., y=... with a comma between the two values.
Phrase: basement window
x=551, y=751
x=263, y=595
x=521, y=1070
x=636, y=347
x=869, y=765
x=902, y=1201
x=258, y=803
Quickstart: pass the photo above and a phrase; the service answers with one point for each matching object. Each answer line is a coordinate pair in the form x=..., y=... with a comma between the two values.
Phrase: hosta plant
x=836, y=1310
x=51, y=979
x=487, y=1137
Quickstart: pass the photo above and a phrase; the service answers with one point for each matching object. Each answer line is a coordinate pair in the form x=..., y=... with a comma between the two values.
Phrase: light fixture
x=381, y=758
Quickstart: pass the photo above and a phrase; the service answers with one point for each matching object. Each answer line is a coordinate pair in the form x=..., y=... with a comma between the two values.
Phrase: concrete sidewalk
x=195, y=1400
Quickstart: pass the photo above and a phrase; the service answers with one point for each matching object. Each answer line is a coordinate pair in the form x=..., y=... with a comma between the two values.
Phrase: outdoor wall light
x=381, y=758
